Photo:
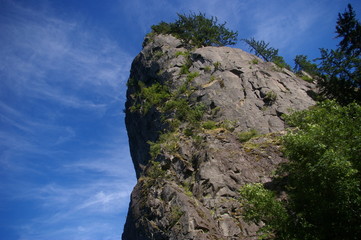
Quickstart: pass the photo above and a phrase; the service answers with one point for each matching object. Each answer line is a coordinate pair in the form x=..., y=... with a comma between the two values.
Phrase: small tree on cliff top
x=269, y=54
x=198, y=30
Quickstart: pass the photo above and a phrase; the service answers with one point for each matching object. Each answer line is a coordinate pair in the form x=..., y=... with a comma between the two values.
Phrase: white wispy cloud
x=291, y=25
x=82, y=205
x=72, y=210
x=45, y=60
x=61, y=79
x=40, y=47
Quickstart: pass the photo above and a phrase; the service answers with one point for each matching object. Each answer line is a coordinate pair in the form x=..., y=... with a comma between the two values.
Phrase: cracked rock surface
x=190, y=190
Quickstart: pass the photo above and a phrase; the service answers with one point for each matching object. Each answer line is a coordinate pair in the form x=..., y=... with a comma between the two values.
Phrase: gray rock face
x=189, y=189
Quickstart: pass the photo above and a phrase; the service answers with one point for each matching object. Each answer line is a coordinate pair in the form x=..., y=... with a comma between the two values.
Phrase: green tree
x=324, y=169
x=261, y=205
x=198, y=30
x=341, y=76
x=267, y=53
x=341, y=68
x=323, y=176
x=303, y=64
x=349, y=28
x=261, y=49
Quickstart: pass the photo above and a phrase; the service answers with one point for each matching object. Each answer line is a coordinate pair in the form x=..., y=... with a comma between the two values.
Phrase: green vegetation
x=269, y=54
x=270, y=98
x=180, y=53
x=184, y=69
x=209, y=124
x=155, y=171
x=167, y=142
x=207, y=69
x=261, y=205
x=187, y=187
x=280, y=62
x=215, y=111
x=261, y=49
x=188, y=63
x=246, y=136
x=217, y=66
x=148, y=97
x=176, y=103
x=158, y=54
x=341, y=78
x=303, y=64
x=212, y=78
x=341, y=68
x=262, y=143
x=307, y=78
x=197, y=30
x=349, y=28
x=175, y=214
x=323, y=177
x=228, y=125
x=254, y=61
x=324, y=172
x=184, y=112
x=196, y=113
x=192, y=75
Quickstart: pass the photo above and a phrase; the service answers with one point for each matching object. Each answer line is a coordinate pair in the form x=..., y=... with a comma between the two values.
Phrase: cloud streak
x=40, y=48
x=62, y=147
x=294, y=27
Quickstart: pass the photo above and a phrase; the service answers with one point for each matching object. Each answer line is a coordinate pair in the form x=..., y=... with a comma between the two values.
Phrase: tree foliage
x=267, y=53
x=341, y=76
x=261, y=49
x=261, y=205
x=198, y=30
x=349, y=28
x=324, y=169
x=323, y=176
x=303, y=64
x=341, y=68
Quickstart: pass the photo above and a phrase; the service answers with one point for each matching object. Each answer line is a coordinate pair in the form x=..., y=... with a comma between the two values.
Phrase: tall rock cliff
x=190, y=116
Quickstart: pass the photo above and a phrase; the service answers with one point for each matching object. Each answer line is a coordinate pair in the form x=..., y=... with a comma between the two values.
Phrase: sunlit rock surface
x=192, y=192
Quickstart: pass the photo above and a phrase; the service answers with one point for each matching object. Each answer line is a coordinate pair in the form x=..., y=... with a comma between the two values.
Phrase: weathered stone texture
x=197, y=197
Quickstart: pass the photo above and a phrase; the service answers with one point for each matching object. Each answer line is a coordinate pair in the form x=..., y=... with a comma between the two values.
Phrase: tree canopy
x=323, y=178
x=303, y=64
x=349, y=28
x=261, y=49
x=198, y=30
x=267, y=53
x=341, y=68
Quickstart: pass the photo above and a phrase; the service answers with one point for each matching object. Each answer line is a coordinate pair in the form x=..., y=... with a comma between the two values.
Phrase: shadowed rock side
x=188, y=187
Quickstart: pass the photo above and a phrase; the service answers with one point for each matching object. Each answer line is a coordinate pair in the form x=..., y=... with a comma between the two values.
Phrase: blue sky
x=65, y=167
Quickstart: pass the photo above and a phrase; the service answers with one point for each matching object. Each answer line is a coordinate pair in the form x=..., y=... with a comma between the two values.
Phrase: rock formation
x=190, y=116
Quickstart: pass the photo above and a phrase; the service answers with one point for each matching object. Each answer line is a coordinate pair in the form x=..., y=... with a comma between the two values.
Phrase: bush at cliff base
x=323, y=177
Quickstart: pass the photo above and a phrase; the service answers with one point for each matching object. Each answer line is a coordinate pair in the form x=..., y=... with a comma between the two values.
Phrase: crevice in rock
x=237, y=72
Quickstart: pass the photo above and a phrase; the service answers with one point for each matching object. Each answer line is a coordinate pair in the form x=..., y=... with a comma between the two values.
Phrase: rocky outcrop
x=189, y=117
